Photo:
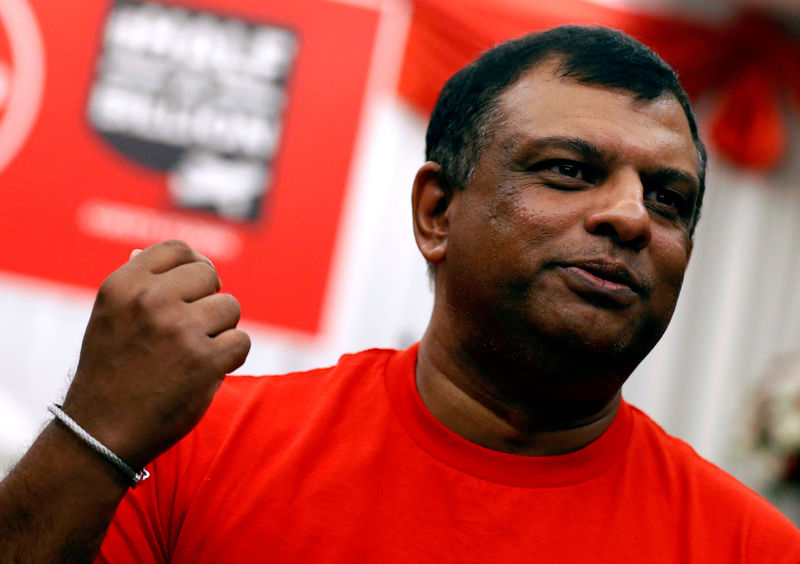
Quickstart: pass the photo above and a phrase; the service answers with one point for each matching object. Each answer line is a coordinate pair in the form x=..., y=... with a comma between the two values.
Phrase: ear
x=430, y=204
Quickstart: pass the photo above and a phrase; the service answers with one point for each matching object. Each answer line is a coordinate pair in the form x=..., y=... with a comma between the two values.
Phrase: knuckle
x=148, y=299
x=177, y=245
x=116, y=280
x=183, y=251
x=180, y=249
x=240, y=348
x=178, y=325
x=209, y=274
x=189, y=343
x=116, y=288
x=242, y=343
x=230, y=304
x=108, y=289
x=227, y=307
x=235, y=350
x=186, y=345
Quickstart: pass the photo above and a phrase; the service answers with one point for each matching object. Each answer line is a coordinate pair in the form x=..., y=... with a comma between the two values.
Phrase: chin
x=625, y=349
x=621, y=341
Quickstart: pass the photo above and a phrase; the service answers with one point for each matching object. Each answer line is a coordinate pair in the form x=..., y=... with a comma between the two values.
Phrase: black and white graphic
x=198, y=95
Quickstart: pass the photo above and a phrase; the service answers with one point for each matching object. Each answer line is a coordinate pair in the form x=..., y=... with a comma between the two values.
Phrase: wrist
x=133, y=476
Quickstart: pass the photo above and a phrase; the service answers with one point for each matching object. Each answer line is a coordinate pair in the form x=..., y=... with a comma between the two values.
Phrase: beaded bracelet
x=132, y=475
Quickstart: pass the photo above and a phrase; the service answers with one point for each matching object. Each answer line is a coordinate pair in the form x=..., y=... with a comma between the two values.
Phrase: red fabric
x=748, y=64
x=346, y=465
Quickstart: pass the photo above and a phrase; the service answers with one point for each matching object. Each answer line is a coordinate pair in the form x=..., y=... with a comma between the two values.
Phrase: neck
x=527, y=410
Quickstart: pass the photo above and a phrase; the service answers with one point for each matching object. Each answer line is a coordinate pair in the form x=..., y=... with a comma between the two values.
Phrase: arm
x=56, y=504
x=158, y=344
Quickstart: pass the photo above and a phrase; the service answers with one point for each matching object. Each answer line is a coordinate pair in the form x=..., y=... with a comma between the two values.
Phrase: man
x=556, y=210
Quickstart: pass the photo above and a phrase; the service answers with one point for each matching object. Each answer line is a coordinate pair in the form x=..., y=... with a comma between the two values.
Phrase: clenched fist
x=158, y=344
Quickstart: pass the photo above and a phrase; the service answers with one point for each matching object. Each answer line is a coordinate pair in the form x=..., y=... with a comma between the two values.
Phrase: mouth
x=605, y=283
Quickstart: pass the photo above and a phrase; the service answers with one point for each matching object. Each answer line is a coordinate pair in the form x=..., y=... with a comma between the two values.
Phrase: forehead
x=654, y=133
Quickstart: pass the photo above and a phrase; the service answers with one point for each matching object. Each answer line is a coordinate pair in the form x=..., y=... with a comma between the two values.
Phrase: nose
x=619, y=211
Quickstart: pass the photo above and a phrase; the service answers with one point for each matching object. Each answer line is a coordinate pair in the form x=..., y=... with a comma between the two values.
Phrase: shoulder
x=237, y=392
x=267, y=414
x=708, y=494
x=246, y=405
x=682, y=464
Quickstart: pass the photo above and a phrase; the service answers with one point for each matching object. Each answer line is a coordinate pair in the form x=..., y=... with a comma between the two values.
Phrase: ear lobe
x=430, y=203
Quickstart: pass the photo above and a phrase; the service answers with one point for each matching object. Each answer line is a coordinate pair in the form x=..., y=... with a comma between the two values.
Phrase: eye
x=566, y=168
x=569, y=170
x=668, y=199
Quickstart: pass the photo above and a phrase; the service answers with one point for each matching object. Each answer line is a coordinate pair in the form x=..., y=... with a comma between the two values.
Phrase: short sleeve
x=138, y=532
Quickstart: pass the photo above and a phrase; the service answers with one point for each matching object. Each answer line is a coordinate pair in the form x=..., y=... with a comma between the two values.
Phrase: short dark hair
x=467, y=109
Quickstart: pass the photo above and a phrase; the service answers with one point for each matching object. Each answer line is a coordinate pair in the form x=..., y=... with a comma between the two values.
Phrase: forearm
x=58, y=501
x=158, y=344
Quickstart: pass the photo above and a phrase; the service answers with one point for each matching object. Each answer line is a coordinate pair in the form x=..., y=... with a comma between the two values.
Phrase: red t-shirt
x=345, y=464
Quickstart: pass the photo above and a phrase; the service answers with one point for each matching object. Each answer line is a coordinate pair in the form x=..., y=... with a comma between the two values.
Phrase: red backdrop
x=748, y=64
x=83, y=190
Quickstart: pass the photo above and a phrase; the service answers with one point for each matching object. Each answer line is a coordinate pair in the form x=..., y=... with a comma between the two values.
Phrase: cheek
x=538, y=217
x=675, y=253
x=671, y=257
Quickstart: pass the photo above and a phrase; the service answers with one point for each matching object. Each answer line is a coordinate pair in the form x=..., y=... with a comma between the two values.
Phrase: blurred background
x=281, y=139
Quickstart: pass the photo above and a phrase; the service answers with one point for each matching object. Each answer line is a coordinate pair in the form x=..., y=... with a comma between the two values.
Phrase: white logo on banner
x=21, y=79
x=197, y=95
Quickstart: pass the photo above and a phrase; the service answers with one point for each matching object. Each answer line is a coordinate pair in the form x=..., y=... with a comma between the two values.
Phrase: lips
x=615, y=272
x=604, y=281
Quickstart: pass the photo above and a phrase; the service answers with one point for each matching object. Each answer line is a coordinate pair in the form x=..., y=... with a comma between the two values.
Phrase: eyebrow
x=586, y=150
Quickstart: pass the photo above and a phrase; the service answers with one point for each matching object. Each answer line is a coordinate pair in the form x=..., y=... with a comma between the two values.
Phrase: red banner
x=229, y=124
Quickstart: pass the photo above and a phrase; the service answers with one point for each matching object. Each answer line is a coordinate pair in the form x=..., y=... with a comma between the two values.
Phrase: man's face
x=575, y=227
